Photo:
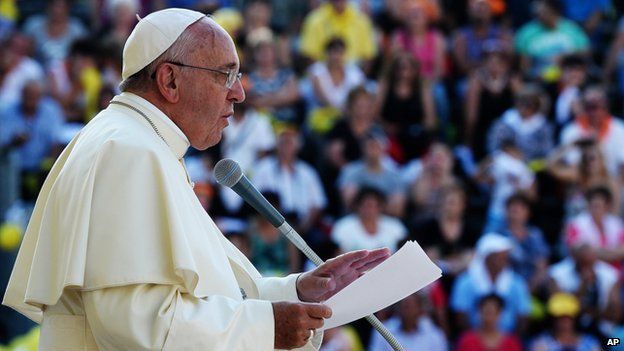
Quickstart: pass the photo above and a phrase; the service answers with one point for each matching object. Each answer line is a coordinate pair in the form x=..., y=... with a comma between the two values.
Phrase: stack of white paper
x=404, y=273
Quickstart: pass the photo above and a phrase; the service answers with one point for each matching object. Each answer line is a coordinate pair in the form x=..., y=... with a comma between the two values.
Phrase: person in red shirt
x=488, y=337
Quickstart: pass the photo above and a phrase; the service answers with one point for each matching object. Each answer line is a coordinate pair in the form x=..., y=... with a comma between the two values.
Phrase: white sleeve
x=161, y=317
x=278, y=289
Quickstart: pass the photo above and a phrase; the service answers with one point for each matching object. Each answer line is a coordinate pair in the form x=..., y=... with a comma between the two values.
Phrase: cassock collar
x=173, y=136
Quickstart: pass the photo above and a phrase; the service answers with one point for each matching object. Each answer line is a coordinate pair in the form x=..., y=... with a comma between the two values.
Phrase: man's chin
x=207, y=144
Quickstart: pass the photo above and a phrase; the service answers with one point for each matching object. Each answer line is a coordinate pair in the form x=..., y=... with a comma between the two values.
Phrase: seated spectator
x=257, y=14
x=412, y=327
x=121, y=15
x=579, y=177
x=332, y=80
x=542, y=41
x=54, y=32
x=598, y=227
x=507, y=174
x=491, y=88
x=488, y=336
x=567, y=99
x=284, y=19
x=405, y=103
x=614, y=60
x=270, y=88
x=470, y=42
x=297, y=183
x=75, y=82
x=530, y=253
x=525, y=124
x=596, y=122
x=449, y=237
x=564, y=308
x=338, y=18
x=436, y=174
x=419, y=39
x=490, y=272
x=613, y=316
x=376, y=170
x=427, y=46
x=367, y=227
x=591, y=280
x=343, y=142
x=16, y=68
x=590, y=14
x=271, y=252
x=247, y=139
x=30, y=127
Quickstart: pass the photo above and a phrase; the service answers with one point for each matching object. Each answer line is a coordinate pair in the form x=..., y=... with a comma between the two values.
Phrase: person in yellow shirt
x=338, y=18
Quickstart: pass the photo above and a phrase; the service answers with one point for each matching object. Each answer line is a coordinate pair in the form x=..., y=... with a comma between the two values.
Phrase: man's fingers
x=370, y=265
x=378, y=253
x=314, y=323
x=317, y=310
x=347, y=259
x=378, y=256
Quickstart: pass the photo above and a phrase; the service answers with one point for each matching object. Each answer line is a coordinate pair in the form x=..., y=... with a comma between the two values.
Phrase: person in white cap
x=120, y=255
x=490, y=272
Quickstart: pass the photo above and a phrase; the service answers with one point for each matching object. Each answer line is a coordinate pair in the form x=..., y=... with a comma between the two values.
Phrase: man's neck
x=158, y=102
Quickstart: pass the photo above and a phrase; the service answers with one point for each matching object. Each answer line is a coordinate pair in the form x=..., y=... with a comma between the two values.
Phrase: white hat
x=153, y=35
x=493, y=243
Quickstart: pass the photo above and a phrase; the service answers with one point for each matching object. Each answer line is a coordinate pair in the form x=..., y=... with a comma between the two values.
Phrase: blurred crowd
x=488, y=131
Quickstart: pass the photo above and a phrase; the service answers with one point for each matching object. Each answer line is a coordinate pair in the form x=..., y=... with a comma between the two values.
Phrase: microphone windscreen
x=228, y=172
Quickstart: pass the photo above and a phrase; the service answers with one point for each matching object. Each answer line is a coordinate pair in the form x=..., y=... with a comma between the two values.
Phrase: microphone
x=228, y=173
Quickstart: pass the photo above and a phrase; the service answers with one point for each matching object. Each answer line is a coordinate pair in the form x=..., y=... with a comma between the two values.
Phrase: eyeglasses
x=231, y=75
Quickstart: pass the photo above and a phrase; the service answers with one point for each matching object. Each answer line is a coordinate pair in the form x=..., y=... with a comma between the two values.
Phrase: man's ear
x=167, y=79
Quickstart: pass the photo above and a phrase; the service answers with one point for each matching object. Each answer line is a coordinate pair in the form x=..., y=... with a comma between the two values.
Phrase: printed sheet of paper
x=404, y=273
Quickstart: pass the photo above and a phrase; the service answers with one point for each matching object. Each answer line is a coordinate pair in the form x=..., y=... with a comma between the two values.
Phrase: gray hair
x=178, y=52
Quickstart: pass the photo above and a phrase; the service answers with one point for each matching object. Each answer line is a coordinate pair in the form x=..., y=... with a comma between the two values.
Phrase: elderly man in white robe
x=120, y=255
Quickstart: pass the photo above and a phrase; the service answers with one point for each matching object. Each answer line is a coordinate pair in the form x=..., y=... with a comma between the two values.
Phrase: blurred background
x=487, y=130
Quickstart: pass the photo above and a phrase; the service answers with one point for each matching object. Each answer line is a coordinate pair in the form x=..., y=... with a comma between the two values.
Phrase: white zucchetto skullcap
x=153, y=35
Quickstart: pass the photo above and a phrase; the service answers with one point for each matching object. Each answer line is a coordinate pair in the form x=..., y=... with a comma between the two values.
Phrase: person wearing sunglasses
x=119, y=253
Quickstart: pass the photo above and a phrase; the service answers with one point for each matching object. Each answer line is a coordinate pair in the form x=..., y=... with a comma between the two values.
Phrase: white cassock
x=120, y=255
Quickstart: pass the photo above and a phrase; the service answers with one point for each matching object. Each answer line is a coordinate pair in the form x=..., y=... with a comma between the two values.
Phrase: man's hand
x=332, y=276
x=294, y=322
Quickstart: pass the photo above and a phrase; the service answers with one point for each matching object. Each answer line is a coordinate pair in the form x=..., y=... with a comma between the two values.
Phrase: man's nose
x=237, y=93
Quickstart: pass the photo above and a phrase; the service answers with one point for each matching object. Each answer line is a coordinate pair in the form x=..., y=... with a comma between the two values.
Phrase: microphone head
x=228, y=172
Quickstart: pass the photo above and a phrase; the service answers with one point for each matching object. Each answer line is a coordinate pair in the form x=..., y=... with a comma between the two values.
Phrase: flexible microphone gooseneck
x=228, y=173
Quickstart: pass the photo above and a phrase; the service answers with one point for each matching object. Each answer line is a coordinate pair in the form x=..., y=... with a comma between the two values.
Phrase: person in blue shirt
x=490, y=272
x=587, y=13
x=530, y=252
x=30, y=127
